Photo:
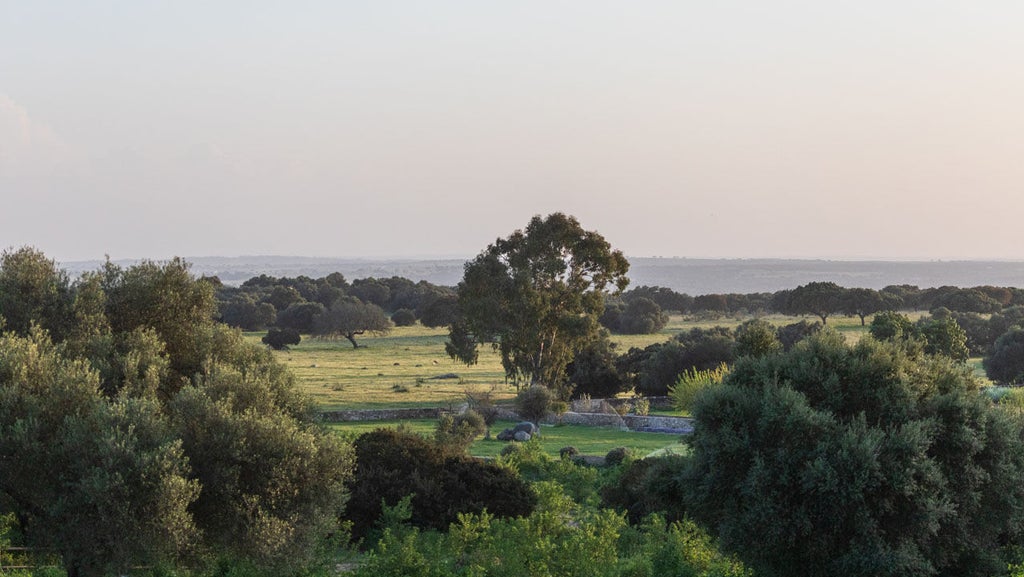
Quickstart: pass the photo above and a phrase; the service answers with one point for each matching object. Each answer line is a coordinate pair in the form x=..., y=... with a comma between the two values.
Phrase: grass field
x=401, y=369
x=589, y=440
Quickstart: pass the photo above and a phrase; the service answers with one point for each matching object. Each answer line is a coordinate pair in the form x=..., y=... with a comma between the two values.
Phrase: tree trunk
x=352, y=339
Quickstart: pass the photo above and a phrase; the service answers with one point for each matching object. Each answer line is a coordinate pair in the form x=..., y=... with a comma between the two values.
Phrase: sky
x=725, y=129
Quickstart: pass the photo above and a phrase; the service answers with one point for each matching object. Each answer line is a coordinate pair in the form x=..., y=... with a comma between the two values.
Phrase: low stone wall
x=589, y=419
x=625, y=422
x=380, y=414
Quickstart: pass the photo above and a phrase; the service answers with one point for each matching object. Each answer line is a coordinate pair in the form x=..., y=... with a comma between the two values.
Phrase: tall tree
x=536, y=297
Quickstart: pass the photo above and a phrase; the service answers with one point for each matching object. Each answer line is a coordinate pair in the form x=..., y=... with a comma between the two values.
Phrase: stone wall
x=380, y=414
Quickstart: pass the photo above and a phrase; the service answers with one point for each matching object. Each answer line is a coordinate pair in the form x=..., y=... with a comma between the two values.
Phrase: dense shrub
x=458, y=431
x=696, y=349
x=1006, y=363
x=534, y=403
x=279, y=339
x=557, y=539
x=857, y=460
x=793, y=333
x=649, y=486
x=638, y=316
x=403, y=318
x=616, y=456
x=756, y=338
x=891, y=326
x=300, y=317
x=392, y=464
x=691, y=383
x=593, y=372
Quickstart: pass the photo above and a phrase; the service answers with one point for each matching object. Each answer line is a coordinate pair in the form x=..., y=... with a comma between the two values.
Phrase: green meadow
x=403, y=368
x=409, y=368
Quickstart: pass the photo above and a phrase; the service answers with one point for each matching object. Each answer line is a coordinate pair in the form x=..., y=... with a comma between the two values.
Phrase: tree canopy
x=866, y=460
x=143, y=430
x=350, y=318
x=536, y=297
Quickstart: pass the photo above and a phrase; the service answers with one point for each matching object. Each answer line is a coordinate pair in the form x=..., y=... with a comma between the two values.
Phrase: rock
x=526, y=427
x=522, y=436
x=506, y=435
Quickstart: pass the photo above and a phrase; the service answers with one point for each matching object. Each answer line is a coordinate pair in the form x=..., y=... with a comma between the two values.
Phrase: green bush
x=458, y=431
x=691, y=383
x=534, y=403
x=403, y=318
x=394, y=464
x=616, y=456
x=863, y=460
x=1006, y=363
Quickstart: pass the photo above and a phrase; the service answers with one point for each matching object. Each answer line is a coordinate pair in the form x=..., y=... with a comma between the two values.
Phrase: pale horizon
x=735, y=129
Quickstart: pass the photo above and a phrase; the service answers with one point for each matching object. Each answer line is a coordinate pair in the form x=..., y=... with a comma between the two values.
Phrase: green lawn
x=589, y=440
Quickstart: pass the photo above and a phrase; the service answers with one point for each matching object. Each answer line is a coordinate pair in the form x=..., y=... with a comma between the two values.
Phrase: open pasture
x=401, y=369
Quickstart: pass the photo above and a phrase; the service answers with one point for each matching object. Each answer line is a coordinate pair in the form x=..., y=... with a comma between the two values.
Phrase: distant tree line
x=330, y=306
x=820, y=299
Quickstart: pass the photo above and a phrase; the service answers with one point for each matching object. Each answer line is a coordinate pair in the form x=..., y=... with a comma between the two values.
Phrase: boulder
x=522, y=436
x=526, y=427
x=506, y=435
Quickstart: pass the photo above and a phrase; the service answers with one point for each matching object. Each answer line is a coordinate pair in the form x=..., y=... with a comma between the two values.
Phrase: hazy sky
x=835, y=128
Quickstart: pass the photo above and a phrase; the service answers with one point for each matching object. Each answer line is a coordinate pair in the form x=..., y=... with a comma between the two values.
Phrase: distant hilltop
x=687, y=275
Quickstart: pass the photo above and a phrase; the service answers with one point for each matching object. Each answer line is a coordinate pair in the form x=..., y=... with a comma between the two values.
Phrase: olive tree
x=536, y=297
x=870, y=459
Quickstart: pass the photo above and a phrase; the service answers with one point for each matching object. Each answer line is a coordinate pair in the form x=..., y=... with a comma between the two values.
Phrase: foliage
x=556, y=539
x=593, y=372
x=151, y=432
x=616, y=456
x=33, y=290
x=439, y=311
x=457, y=432
x=279, y=339
x=693, y=382
x=300, y=317
x=649, y=486
x=534, y=403
x=243, y=312
x=403, y=318
x=101, y=481
x=1006, y=363
x=482, y=403
x=756, y=338
x=639, y=316
x=272, y=480
x=350, y=318
x=393, y=464
x=863, y=302
x=696, y=349
x=166, y=298
x=892, y=326
x=536, y=296
x=863, y=460
x=533, y=464
x=666, y=298
x=943, y=336
x=822, y=299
